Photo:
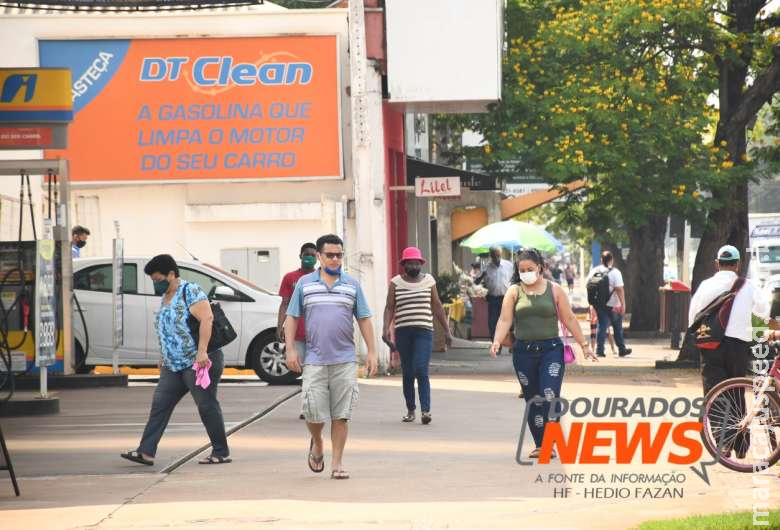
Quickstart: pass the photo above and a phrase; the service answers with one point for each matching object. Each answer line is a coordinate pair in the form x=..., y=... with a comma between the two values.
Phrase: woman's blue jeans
x=539, y=367
x=415, y=346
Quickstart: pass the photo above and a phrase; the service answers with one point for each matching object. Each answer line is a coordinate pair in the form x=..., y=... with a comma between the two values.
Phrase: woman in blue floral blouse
x=180, y=358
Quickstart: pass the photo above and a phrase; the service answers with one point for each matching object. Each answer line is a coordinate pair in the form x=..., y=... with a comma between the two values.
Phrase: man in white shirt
x=497, y=279
x=612, y=313
x=731, y=358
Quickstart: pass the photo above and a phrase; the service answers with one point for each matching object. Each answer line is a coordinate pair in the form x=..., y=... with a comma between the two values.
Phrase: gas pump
x=18, y=294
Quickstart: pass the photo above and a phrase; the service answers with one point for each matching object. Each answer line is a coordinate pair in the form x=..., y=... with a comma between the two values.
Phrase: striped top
x=329, y=313
x=413, y=302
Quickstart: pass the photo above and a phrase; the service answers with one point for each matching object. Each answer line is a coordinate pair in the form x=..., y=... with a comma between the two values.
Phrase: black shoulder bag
x=709, y=325
x=222, y=332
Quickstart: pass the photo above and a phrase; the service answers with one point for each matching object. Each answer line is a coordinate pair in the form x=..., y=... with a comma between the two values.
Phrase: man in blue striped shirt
x=329, y=299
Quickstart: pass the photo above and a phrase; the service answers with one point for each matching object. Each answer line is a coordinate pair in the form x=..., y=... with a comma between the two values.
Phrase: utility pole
x=370, y=243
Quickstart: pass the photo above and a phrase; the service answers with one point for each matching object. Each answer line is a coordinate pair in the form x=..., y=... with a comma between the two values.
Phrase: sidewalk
x=473, y=357
x=458, y=472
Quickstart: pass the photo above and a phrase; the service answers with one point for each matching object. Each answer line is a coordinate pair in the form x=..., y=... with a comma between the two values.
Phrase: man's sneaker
x=625, y=352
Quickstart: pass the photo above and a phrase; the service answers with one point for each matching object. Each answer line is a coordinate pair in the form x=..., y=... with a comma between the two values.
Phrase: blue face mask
x=332, y=272
x=161, y=287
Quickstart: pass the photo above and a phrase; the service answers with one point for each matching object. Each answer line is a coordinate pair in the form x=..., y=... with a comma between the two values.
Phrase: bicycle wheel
x=740, y=447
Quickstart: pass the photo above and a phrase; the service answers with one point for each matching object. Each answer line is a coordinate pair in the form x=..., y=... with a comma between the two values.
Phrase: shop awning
x=468, y=179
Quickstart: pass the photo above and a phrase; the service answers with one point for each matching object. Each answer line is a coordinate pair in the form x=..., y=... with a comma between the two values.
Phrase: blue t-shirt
x=329, y=316
x=177, y=346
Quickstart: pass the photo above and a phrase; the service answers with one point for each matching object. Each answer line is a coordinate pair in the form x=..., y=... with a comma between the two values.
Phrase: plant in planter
x=449, y=290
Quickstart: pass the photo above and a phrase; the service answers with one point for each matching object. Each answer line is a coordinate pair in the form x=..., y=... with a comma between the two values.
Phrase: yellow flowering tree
x=615, y=93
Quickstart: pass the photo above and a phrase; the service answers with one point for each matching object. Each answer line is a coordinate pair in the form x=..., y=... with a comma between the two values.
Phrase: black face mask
x=412, y=272
x=80, y=244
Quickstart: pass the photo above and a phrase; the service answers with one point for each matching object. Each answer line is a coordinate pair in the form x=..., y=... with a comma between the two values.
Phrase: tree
x=743, y=39
x=609, y=92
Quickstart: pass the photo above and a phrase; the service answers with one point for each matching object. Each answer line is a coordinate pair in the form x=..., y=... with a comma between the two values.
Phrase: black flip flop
x=138, y=458
x=317, y=460
x=213, y=459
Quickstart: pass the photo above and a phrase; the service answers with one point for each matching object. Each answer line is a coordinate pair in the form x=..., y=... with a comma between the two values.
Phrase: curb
x=60, y=382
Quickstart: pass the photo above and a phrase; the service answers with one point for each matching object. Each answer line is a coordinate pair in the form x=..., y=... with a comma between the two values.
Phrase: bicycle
x=741, y=422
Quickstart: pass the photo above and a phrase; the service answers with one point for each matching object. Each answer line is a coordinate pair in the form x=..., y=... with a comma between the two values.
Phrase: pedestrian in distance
x=497, y=278
x=308, y=257
x=78, y=239
x=476, y=272
x=569, y=273
x=537, y=307
x=606, y=293
x=329, y=299
x=557, y=273
x=412, y=304
x=181, y=358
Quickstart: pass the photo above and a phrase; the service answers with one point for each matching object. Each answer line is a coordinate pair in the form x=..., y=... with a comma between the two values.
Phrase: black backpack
x=222, y=332
x=598, y=289
x=709, y=325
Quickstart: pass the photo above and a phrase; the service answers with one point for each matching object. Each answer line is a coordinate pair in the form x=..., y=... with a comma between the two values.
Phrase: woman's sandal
x=213, y=459
x=318, y=461
x=339, y=474
x=409, y=417
x=535, y=454
x=137, y=457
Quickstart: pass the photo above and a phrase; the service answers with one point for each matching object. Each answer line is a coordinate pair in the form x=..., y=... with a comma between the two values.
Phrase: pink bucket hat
x=412, y=253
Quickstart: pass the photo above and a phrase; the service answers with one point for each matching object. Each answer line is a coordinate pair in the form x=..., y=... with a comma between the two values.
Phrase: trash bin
x=675, y=300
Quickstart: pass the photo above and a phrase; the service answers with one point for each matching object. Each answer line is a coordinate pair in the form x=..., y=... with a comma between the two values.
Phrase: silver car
x=251, y=310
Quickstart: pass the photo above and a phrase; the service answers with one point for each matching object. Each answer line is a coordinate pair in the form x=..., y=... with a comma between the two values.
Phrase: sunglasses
x=333, y=255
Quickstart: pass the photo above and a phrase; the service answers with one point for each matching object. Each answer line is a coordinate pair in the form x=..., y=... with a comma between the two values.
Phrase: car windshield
x=769, y=254
x=237, y=278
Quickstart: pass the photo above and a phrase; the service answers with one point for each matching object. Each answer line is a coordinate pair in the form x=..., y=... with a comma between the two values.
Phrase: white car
x=251, y=310
x=772, y=293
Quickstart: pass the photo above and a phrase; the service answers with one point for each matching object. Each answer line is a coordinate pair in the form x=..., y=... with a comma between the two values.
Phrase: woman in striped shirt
x=412, y=302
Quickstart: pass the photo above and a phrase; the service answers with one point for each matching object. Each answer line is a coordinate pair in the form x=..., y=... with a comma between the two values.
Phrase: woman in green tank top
x=535, y=306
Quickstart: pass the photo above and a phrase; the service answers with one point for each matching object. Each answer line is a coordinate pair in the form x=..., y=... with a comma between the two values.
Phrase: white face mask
x=529, y=278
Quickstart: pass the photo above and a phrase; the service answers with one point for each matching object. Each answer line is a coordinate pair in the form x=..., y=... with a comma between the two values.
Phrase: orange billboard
x=173, y=110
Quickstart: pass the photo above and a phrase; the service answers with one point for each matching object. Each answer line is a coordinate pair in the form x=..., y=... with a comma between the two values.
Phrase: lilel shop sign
x=437, y=187
x=163, y=110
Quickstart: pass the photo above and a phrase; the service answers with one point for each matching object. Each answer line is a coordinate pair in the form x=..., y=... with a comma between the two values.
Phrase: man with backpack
x=607, y=296
x=727, y=355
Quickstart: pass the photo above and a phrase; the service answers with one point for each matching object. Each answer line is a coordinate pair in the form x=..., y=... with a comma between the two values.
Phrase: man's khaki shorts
x=329, y=392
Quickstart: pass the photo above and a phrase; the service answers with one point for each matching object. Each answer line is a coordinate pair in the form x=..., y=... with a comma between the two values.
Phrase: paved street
x=459, y=472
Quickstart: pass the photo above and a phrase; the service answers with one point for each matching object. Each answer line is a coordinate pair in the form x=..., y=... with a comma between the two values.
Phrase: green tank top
x=536, y=317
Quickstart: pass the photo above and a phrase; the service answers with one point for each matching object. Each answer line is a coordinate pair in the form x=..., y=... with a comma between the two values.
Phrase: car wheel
x=268, y=360
x=81, y=360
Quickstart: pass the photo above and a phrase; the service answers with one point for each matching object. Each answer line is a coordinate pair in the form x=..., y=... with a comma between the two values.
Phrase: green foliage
x=302, y=4
x=615, y=93
x=447, y=287
x=724, y=521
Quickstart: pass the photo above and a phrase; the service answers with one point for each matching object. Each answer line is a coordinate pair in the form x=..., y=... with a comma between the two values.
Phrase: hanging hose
x=21, y=300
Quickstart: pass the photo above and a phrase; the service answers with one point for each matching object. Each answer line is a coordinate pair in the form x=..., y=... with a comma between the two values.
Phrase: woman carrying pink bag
x=536, y=306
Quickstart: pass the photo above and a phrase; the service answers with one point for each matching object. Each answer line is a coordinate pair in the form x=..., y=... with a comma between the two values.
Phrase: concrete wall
x=489, y=200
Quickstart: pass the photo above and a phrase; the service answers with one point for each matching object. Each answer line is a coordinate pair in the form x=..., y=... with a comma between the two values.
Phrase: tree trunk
x=646, y=263
x=727, y=225
x=738, y=105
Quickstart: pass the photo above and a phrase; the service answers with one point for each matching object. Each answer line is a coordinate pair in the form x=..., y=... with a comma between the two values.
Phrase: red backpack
x=709, y=325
